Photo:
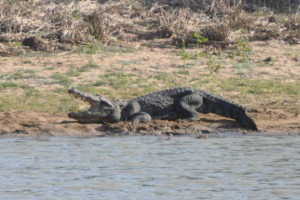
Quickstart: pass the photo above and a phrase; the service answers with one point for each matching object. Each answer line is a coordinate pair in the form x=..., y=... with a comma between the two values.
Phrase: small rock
x=35, y=43
x=268, y=59
x=2, y=132
x=272, y=19
x=201, y=136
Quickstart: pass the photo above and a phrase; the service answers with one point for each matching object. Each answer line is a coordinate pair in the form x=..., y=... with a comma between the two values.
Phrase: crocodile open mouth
x=99, y=109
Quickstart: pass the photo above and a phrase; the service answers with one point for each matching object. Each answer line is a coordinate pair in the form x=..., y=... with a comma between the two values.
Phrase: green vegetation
x=244, y=50
x=120, y=80
x=167, y=78
x=27, y=62
x=20, y=74
x=90, y=49
x=200, y=38
x=184, y=72
x=38, y=102
x=242, y=65
x=88, y=66
x=213, y=66
x=124, y=86
x=184, y=54
x=194, y=54
x=129, y=62
x=73, y=72
x=261, y=87
x=12, y=76
x=6, y=85
x=61, y=79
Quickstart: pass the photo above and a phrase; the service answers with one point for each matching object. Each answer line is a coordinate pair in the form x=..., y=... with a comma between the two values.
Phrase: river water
x=150, y=167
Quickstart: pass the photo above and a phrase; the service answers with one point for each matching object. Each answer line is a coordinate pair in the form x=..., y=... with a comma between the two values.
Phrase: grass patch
x=90, y=49
x=14, y=86
x=183, y=72
x=24, y=98
x=49, y=68
x=72, y=72
x=129, y=62
x=11, y=76
x=20, y=74
x=87, y=88
x=165, y=77
x=244, y=50
x=61, y=79
x=89, y=65
x=264, y=73
x=119, y=85
x=118, y=49
x=213, y=66
x=105, y=91
x=99, y=83
x=8, y=84
x=250, y=90
x=121, y=80
x=27, y=62
x=246, y=90
x=262, y=88
x=32, y=100
x=183, y=66
x=243, y=65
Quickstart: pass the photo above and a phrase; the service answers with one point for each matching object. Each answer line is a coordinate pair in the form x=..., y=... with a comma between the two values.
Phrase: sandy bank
x=31, y=124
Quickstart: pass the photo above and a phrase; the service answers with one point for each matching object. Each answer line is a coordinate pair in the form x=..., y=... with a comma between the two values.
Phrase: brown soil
x=148, y=58
x=32, y=124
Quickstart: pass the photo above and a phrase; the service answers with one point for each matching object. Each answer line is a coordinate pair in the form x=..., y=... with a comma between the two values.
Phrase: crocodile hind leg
x=132, y=112
x=188, y=106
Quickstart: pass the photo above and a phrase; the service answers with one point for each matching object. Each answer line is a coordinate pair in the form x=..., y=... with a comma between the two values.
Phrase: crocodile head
x=99, y=111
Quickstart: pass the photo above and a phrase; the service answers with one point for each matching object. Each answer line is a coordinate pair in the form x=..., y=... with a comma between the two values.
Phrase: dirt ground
x=148, y=59
x=32, y=124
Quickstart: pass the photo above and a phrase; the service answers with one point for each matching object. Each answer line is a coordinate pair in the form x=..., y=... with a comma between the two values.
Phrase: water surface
x=148, y=167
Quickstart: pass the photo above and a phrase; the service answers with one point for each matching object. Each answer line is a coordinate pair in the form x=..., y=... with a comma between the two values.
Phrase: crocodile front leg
x=115, y=114
x=132, y=112
x=140, y=117
x=188, y=106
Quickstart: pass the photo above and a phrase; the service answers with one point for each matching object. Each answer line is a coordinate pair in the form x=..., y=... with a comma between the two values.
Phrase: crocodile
x=170, y=104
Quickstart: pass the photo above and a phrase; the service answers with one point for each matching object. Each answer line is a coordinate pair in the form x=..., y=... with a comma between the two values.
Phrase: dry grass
x=59, y=25
x=75, y=22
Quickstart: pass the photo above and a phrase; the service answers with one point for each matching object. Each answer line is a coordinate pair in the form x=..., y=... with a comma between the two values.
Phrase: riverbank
x=34, y=98
x=252, y=60
x=32, y=124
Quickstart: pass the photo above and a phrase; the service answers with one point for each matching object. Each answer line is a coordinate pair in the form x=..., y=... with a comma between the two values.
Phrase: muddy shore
x=32, y=124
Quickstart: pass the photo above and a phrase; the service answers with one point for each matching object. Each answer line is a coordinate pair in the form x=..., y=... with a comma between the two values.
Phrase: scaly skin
x=171, y=104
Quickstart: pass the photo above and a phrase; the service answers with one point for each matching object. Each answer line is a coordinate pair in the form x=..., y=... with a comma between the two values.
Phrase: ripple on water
x=150, y=168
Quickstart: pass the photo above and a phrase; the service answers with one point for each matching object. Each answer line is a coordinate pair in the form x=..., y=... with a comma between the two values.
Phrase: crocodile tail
x=218, y=105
